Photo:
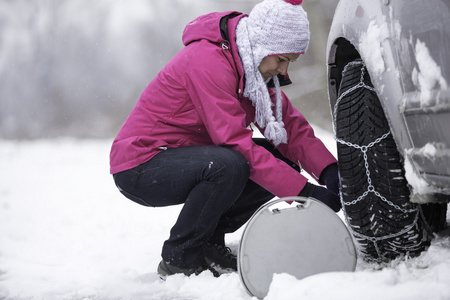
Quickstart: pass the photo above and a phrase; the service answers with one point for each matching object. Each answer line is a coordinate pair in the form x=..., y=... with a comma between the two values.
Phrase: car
x=389, y=92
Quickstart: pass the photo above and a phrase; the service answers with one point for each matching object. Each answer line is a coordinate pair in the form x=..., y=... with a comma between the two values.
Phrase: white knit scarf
x=256, y=88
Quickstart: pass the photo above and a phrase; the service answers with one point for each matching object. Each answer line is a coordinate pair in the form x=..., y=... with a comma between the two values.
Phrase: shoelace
x=225, y=251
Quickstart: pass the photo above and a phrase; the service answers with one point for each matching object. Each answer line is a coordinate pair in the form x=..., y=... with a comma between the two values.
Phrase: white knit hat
x=272, y=27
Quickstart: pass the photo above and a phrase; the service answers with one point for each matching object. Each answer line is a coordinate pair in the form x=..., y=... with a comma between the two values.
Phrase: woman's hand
x=322, y=194
x=330, y=176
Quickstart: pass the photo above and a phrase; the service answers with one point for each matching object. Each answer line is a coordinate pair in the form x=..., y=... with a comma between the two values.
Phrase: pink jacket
x=197, y=99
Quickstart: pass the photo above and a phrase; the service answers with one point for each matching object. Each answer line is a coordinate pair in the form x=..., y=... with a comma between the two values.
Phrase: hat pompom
x=294, y=2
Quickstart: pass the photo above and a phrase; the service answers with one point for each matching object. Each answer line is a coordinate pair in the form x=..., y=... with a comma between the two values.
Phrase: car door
x=422, y=37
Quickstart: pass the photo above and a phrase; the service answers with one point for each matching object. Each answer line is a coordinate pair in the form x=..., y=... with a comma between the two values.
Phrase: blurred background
x=75, y=68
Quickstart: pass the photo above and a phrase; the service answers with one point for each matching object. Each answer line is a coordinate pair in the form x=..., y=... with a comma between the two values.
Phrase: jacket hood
x=206, y=27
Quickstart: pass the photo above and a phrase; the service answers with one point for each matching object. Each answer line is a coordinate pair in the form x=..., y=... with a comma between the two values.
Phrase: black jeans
x=212, y=182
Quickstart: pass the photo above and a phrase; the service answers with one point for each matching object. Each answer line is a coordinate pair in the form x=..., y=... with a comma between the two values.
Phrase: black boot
x=220, y=256
x=166, y=269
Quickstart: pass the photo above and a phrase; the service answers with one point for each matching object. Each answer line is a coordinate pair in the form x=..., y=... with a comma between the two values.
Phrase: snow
x=418, y=184
x=67, y=233
x=371, y=44
x=429, y=75
x=429, y=151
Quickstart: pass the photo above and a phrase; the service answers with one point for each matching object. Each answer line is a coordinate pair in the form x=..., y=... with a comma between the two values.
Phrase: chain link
x=370, y=187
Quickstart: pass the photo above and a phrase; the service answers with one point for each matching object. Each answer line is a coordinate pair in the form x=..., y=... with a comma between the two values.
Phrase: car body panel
x=405, y=45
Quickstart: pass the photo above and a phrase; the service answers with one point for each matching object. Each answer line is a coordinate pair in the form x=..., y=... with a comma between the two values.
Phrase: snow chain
x=370, y=188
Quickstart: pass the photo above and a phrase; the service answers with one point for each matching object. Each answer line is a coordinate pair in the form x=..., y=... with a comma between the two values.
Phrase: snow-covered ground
x=67, y=233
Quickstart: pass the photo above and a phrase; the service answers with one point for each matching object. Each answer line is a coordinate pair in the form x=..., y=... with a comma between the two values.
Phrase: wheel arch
x=340, y=53
x=387, y=83
x=362, y=30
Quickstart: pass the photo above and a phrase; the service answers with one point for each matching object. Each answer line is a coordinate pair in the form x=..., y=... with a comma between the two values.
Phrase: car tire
x=374, y=191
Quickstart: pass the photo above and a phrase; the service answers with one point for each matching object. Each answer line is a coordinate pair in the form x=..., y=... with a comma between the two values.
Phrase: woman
x=187, y=140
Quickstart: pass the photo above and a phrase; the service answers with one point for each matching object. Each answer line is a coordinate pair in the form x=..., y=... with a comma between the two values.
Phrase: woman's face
x=277, y=64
